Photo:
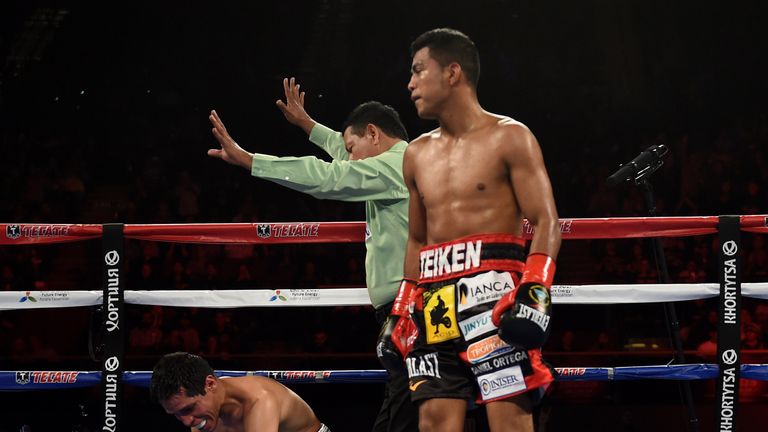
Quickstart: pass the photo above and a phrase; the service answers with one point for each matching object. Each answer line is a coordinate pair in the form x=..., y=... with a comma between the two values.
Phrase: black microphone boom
x=649, y=158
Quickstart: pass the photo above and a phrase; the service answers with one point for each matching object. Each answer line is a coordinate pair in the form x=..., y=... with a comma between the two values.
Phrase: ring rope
x=561, y=294
x=348, y=232
x=36, y=380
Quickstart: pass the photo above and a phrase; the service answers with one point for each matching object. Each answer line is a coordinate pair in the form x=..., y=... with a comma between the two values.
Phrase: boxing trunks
x=458, y=353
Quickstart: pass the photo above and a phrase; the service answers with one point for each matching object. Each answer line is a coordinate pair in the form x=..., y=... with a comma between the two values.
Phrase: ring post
x=114, y=341
x=729, y=323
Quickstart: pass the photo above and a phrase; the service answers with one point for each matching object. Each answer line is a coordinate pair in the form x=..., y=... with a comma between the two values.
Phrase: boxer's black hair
x=178, y=371
x=448, y=46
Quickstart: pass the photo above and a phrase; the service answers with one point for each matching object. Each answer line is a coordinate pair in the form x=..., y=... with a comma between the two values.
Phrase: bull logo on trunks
x=264, y=230
x=23, y=377
x=440, y=314
x=437, y=315
x=13, y=231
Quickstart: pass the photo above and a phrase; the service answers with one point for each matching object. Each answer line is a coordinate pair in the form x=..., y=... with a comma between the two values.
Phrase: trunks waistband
x=471, y=254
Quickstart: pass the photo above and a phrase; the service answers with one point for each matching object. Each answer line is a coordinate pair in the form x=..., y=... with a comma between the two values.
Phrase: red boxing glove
x=399, y=331
x=523, y=315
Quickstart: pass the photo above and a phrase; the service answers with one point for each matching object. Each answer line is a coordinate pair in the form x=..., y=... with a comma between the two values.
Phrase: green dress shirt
x=376, y=180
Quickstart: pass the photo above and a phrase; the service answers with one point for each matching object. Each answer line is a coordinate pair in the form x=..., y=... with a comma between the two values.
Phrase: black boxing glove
x=523, y=315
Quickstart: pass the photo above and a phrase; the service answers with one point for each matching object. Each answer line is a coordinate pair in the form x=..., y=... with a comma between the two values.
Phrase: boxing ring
x=112, y=377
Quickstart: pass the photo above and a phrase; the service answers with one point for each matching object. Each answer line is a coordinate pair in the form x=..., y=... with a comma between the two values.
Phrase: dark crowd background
x=104, y=107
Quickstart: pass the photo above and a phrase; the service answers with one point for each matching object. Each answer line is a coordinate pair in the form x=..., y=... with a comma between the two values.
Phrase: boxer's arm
x=523, y=315
x=417, y=217
x=374, y=178
x=532, y=189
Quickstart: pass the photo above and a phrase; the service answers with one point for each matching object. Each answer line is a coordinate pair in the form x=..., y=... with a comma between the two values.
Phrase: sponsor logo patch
x=13, y=231
x=483, y=288
x=566, y=226
x=299, y=230
x=298, y=375
x=561, y=291
x=449, y=259
x=512, y=359
x=477, y=325
x=730, y=357
x=295, y=295
x=23, y=377
x=423, y=365
x=45, y=296
x=48, y=377
x=440, y=314
x=502, y=383
x=288, y=230
x=28, y=297
x=571, y=371
x=277, y=296
x=487, y=348
x=539, y=318
x=730, y=248
x=414, y=386
x=263, y=231
x=539, y=294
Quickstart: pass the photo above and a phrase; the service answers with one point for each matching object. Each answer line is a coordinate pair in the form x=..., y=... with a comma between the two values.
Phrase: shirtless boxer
x=184, y=384
x=471, y=182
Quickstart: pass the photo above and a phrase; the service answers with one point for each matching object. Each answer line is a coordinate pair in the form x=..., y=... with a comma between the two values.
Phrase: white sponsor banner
x=10, y=300
x=561, y=294
x=246, y=298
x=636, y=293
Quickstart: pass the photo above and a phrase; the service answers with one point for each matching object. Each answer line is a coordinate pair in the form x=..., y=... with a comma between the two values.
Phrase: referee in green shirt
x=367, y=166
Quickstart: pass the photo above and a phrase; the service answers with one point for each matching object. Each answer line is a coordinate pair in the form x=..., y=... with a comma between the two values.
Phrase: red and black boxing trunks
x=458, y=353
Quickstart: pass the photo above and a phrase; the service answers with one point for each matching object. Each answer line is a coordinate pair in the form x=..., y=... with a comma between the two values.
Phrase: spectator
x=692, y=273
x=708, y=348
x=147, y=337
x=752, y=338
x=222, y=339
x=184, y=338
x=611, y=267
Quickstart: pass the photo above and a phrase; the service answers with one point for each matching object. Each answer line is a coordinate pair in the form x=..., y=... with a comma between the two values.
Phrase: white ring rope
x=561, y=294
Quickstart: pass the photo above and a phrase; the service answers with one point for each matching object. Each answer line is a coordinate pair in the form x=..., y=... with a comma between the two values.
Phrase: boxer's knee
x=513, y=414
x=442, y=414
